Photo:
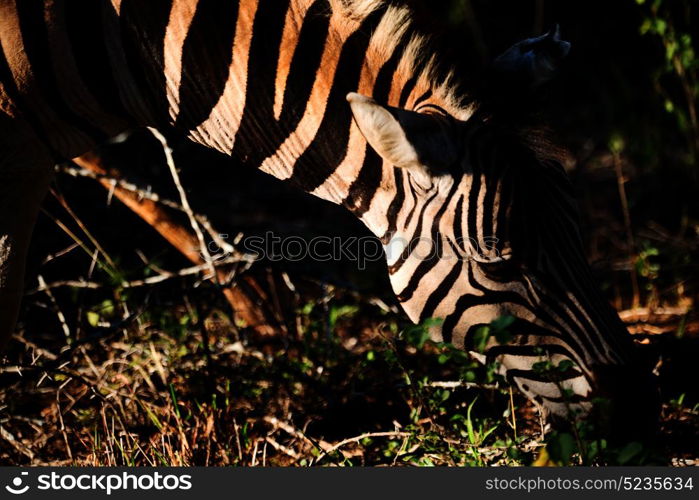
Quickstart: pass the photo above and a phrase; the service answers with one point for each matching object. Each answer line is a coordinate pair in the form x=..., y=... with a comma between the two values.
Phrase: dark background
x=623, y=104
x=616, y=91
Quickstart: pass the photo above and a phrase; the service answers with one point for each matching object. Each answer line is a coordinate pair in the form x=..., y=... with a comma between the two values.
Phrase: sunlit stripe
x=382, y=45
x=181, y=16
x=394, y=248
x=496, y=208
x=117, y=6
x=521, y=339
x=480, y=214
x=485, y=313
x=376, y=217
x=281, y=164
x=421, y=245
x=429, y=282
x=405, y=70
x=219, y=129
x=409, y=204
x=290, y=39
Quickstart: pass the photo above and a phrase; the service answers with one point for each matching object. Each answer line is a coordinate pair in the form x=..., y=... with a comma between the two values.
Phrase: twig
x=144, y=193
x=151, y=280
x=169, y=159
x=59, y=197
x=514, y=416
x=65, y=283
x=75, y=170
x=57, y=310
x=80, y=243
x=82, y=167
x=459, y=384
x=282, y=448
x=621, y=184
x=296, y=433
x=41, y=352
x=62, y=426
x=359, y=438
x=7, y=436
x=643, y=313
x=248, y=301
x=236, y=430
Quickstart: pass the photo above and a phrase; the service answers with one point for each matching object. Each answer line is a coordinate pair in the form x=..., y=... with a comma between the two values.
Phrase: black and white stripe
x=266, y=82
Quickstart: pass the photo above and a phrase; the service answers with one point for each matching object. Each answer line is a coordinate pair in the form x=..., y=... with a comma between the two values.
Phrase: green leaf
x=469, y=423
x=660, y=26
x=542, y=367
x=153, y=417
x=503, y=322
x=341, y=312
x=503, y=336
x=480, y=338
x=565, y=365
x=629, y=452
x=418, y=335
x=93, y=318
x=616, y=143
x=561, y=448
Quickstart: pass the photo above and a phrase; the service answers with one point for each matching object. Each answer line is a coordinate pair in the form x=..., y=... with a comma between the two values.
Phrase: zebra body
x=476, y=224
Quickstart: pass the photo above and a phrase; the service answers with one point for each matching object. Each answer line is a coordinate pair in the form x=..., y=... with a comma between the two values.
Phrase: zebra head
x=483, y=227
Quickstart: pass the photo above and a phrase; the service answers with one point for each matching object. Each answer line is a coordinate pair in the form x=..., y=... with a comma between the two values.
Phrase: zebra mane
x=419, y=61
x=543, y=143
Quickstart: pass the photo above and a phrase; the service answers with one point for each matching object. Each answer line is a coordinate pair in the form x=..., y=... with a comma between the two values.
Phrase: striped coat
x=477, y=223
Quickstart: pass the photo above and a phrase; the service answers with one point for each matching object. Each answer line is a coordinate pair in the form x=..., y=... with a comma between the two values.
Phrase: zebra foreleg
x=25, y=171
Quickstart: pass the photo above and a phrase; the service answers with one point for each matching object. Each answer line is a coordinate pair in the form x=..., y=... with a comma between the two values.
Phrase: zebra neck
x=280, y=72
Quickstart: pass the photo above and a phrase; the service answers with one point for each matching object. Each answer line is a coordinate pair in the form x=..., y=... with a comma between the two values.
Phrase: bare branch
x=170, y=160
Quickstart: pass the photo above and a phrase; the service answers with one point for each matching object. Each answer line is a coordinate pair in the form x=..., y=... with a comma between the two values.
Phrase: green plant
x=681, y=65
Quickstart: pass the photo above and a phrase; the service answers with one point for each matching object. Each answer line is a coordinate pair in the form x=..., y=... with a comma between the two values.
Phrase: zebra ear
x=533, y=61
x=406, y=139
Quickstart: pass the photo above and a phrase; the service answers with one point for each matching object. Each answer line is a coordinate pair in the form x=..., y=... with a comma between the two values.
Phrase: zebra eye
x=502, y=270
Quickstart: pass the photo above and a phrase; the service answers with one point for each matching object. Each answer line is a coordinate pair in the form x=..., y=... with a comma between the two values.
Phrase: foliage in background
x=677, y=81
x=164, y=374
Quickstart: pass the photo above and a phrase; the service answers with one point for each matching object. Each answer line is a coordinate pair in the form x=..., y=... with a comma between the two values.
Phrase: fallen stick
x=251, y=306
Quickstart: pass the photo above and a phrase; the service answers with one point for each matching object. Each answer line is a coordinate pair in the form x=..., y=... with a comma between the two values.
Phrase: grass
x=164, y=375
x=152, y=392
x=147, y=395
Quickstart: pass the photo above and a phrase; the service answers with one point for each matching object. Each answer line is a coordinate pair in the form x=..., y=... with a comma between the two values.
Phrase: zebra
x=346, y=100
